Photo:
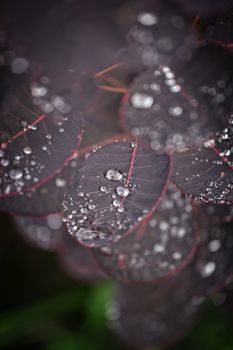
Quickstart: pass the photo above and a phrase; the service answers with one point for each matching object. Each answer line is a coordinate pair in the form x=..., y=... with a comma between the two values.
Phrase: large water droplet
x=114, y=175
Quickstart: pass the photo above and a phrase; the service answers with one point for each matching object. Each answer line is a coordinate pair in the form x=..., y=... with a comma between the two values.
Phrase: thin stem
x=112, y=89
x=109, y=69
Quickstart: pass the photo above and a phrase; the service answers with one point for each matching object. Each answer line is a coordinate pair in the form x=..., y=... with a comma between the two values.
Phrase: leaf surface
x=117, y=187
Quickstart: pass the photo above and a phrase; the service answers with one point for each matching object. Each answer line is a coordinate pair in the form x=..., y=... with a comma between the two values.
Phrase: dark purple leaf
x=38, y=135
x=65, y=37
x=44, y=233
x=71, y=40
x=208, y=77
x=47, y=198
x=159, y=108
x=206, y=173
x=160, y=247
x=78, y=261
x=212, y=265
x=117, y=187
x=101, y=122
x=160, y=33
x=152, y=315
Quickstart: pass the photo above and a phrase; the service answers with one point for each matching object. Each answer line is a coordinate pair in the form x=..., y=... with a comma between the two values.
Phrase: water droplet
x=5, y=162
x=15, y=174
x=176, y=111
x=177, y=256
x=103, y=189
x=143, y=101
x=120, y=209
x=27, y=150
x=208, y=269
x=122, y=191
x=158, y=248
x=19, y=65
x=114, y=175
x=60, y=182
x=116, y=202
x=214, y=245
x=175, y=88
x=54, y=221
x=209, y=143
x=147, y=18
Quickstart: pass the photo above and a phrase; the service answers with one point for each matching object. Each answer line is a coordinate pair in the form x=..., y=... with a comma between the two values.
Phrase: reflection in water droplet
x=114, y=175
x=116, y=202
x=5, y=162
x=103, y=189
x=122, y=191
x=15, y=174
x=120, y=209
x=27, y=150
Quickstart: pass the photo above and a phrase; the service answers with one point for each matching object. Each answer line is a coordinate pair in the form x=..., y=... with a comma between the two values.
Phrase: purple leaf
x=212, y=265
x=206, y=173
x=47, y=198
x=38, y=136
x=160, y=33
x=159, y=108
x=162, y=246
x=213, y=88
x=78, y=261
x=102, y=121
x=118, y=186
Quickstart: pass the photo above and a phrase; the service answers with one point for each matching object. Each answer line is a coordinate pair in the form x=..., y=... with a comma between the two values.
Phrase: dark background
x=42, y=308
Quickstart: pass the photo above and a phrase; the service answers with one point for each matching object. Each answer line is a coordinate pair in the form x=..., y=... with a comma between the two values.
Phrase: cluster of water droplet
x=166, y=241
x=79, y=220
x=38, y=120
x=160, y=38
x=159, y=110
x=208, y=176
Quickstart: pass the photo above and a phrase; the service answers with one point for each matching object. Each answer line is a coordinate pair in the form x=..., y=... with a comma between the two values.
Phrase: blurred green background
x=42, y=308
